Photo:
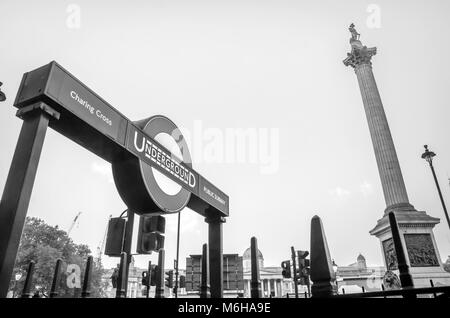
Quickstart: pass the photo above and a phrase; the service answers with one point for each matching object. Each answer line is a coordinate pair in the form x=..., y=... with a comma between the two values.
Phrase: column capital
x=360, y=55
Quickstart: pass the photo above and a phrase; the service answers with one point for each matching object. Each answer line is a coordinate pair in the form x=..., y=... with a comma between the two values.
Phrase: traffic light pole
x=308, y=286
x=127, y=244
x=159, y=292
x=178, y=254
x=204, y=287
x=122, y=278
x=149, y=275
x=294, y=264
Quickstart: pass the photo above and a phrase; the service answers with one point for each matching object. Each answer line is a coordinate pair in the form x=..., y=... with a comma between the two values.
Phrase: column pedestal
x=422, y=254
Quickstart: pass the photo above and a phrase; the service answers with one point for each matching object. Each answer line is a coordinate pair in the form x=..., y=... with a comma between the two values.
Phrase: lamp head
x=428, y=155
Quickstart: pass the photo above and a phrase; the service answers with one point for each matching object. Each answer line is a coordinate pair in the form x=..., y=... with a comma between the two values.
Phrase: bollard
x=405, y=275
x=382, y=288
x=322, y=273
x=205, y=288
x=306, y=294
x=255, y=289
x=343, y=291
x=87, y=279
x=28, y=281
x=56, y=276
x=363, y=289
x=159, y=292
x=122, y=278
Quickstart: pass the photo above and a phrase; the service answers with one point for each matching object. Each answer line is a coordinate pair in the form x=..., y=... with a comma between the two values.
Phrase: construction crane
x=73, y=223
x=102, y=244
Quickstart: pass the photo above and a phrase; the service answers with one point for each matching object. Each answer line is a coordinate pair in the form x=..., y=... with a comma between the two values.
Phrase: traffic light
x=114, y=236
x=182, y=281
x=286, y=269
x=153, y=275
x=169, y=278
x=145, y=278
x=303, y=267
x=306, y=268
x=150, y=232
x=145, y=283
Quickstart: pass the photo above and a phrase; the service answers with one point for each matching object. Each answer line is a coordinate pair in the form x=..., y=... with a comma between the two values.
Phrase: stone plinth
x=422, y=254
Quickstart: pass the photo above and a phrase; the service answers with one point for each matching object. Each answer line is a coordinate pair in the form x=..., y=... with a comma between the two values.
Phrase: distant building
x=359, y=274
x=272, y=282
x=233, y=280
x=237, y=277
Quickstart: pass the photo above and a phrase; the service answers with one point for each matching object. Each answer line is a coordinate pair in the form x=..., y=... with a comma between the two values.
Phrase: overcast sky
x=273, y=65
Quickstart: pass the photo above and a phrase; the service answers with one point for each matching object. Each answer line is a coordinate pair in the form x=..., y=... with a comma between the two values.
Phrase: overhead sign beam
x=94, y=124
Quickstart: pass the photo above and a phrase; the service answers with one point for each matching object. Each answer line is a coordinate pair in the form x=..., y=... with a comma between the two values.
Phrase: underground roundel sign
x=146, y=189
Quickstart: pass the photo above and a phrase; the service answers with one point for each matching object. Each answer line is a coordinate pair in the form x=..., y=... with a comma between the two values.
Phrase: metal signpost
x=51, y=96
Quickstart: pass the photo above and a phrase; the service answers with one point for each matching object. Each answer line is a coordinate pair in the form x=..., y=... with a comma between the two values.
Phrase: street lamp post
x=428, y=156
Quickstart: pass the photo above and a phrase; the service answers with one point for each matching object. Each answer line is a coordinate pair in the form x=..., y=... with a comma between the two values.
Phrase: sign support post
x=19, y=185
x=215, y=243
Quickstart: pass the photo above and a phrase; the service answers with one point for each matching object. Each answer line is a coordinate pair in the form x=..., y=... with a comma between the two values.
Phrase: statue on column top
x=359, y=54
x=355, y=34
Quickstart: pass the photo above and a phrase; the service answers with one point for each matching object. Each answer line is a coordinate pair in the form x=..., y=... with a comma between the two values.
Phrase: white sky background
x=239, y=64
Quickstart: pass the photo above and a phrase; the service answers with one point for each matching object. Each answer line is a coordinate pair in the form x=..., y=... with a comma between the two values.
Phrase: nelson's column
x=416, y=227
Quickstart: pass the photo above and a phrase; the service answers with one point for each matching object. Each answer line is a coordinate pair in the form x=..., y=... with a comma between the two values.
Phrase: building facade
x=233, y=280
x=356, y=276
x=272, y=282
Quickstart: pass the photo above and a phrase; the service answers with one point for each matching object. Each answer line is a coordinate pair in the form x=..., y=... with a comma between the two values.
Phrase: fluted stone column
x=388, y=166
x=415, y=227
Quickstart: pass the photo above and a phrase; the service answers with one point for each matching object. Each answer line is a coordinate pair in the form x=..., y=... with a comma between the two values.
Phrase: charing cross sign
x=150, y=178
x=130, y=146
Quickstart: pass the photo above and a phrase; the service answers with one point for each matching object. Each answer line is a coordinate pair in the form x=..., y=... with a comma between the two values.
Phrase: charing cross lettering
x=90, y=108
